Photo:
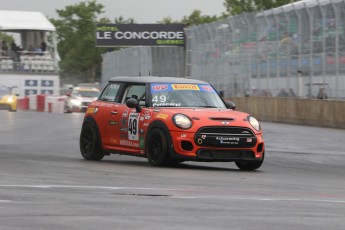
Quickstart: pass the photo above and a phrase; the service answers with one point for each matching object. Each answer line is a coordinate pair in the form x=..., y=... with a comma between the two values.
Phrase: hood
x=207, y=117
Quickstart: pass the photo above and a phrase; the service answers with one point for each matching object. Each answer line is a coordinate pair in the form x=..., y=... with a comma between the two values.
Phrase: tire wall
x=313, y=112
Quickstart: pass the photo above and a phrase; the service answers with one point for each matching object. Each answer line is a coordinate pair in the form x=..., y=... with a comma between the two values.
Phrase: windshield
x=85, y=94
x=184, y=95
x=4, y=91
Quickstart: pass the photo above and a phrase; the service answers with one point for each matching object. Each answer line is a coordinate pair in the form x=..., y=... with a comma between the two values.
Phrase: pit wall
x=312, y=112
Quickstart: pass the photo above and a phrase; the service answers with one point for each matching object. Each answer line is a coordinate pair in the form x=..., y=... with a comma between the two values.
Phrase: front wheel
x=157, y=148
x=250, y=165
x=90, y=143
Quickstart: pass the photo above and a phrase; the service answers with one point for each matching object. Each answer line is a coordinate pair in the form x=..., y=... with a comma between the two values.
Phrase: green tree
x=80, y=59
x=245, y=6
x=195, y=18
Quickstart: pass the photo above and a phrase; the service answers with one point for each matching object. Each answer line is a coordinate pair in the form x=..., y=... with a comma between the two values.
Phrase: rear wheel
x=250, y=165
x=90, y=143
x=157, y=148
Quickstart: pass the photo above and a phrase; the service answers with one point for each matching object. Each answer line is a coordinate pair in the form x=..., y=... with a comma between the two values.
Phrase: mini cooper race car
x=169, y=120
x=8, y=100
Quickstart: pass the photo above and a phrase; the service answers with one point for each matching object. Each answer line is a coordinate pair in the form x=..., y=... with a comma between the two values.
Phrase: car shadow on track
x=185, y=165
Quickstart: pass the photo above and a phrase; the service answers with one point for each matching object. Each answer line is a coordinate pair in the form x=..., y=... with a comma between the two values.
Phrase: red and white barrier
x=42, y=103
x=54, y=104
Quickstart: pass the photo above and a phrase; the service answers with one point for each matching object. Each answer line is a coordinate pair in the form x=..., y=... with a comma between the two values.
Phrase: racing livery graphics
x=169, y=120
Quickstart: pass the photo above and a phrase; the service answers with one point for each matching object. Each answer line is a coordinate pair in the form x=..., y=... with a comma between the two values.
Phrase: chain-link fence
x=295, y=50
x=143, y=61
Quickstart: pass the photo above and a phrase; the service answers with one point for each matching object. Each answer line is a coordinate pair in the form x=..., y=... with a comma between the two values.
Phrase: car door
x=128, y=138
x=107, y=113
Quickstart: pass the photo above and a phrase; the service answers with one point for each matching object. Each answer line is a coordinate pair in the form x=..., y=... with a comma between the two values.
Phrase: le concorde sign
x=110, y=35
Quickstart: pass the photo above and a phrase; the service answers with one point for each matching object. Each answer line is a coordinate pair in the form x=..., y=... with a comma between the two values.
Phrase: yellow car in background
x=8, y=100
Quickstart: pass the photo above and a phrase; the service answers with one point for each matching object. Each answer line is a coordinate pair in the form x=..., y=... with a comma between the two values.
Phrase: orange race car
x=169, y=120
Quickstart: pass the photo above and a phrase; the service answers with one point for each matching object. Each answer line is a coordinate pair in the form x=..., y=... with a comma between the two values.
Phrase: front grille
x=238, y=137
x=207, y=154
x=226, y=130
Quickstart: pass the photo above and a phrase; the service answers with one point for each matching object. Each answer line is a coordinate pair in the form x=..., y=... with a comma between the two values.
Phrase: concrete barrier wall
x=323, y=113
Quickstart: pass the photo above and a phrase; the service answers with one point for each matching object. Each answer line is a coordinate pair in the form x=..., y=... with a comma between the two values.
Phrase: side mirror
x=133, y=103
x=230, y=105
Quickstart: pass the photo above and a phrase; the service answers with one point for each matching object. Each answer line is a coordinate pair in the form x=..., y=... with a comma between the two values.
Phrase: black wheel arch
x=161, y=125
x=90, y=119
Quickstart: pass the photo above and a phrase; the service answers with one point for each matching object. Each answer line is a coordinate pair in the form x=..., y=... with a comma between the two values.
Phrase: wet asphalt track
x=45, y=183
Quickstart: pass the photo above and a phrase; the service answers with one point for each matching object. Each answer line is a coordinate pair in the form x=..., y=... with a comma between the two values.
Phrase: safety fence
x=296, y=50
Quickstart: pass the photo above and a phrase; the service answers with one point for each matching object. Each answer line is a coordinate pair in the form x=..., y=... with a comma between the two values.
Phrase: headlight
x=182, y=121
x=10, y=99
x=254, y=123
x=75, y=102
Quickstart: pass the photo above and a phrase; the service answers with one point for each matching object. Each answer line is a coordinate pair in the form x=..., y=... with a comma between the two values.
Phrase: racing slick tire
x=157, y=150
x=90, y=142
x=250, y=165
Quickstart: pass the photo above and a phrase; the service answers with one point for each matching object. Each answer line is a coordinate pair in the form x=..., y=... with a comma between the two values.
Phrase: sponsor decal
x=47, y=83
x=169, y=104
x=142, y=118
x=123, y=122
x=110, y=35
x=31, y=82
x=159, y=87
x=123, y=129
x=115, y=123
x=224, y=122
x=125, y=113
x=147, y=117
x=249, y=139
x=123, y=135
x=142, y=143
x=90, y=110
x=162, y=115
x=147, y=113
x=185, y=87
x=183, y=135
x=129, y=143
x=146, y=124
x=207, y=88
x=47, y=91
x=203, y=136
x=30, y=92
x=228, y=140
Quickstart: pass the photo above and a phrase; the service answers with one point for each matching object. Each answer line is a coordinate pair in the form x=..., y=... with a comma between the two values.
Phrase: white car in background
x=79, y=98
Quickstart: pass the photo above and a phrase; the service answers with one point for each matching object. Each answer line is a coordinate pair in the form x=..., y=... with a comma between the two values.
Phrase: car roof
x=155, y=79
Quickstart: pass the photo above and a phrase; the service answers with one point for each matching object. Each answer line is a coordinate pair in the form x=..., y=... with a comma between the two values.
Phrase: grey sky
x=143, y=11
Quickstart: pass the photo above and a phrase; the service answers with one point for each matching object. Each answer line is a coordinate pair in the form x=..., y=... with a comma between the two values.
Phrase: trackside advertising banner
x=109, y=35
